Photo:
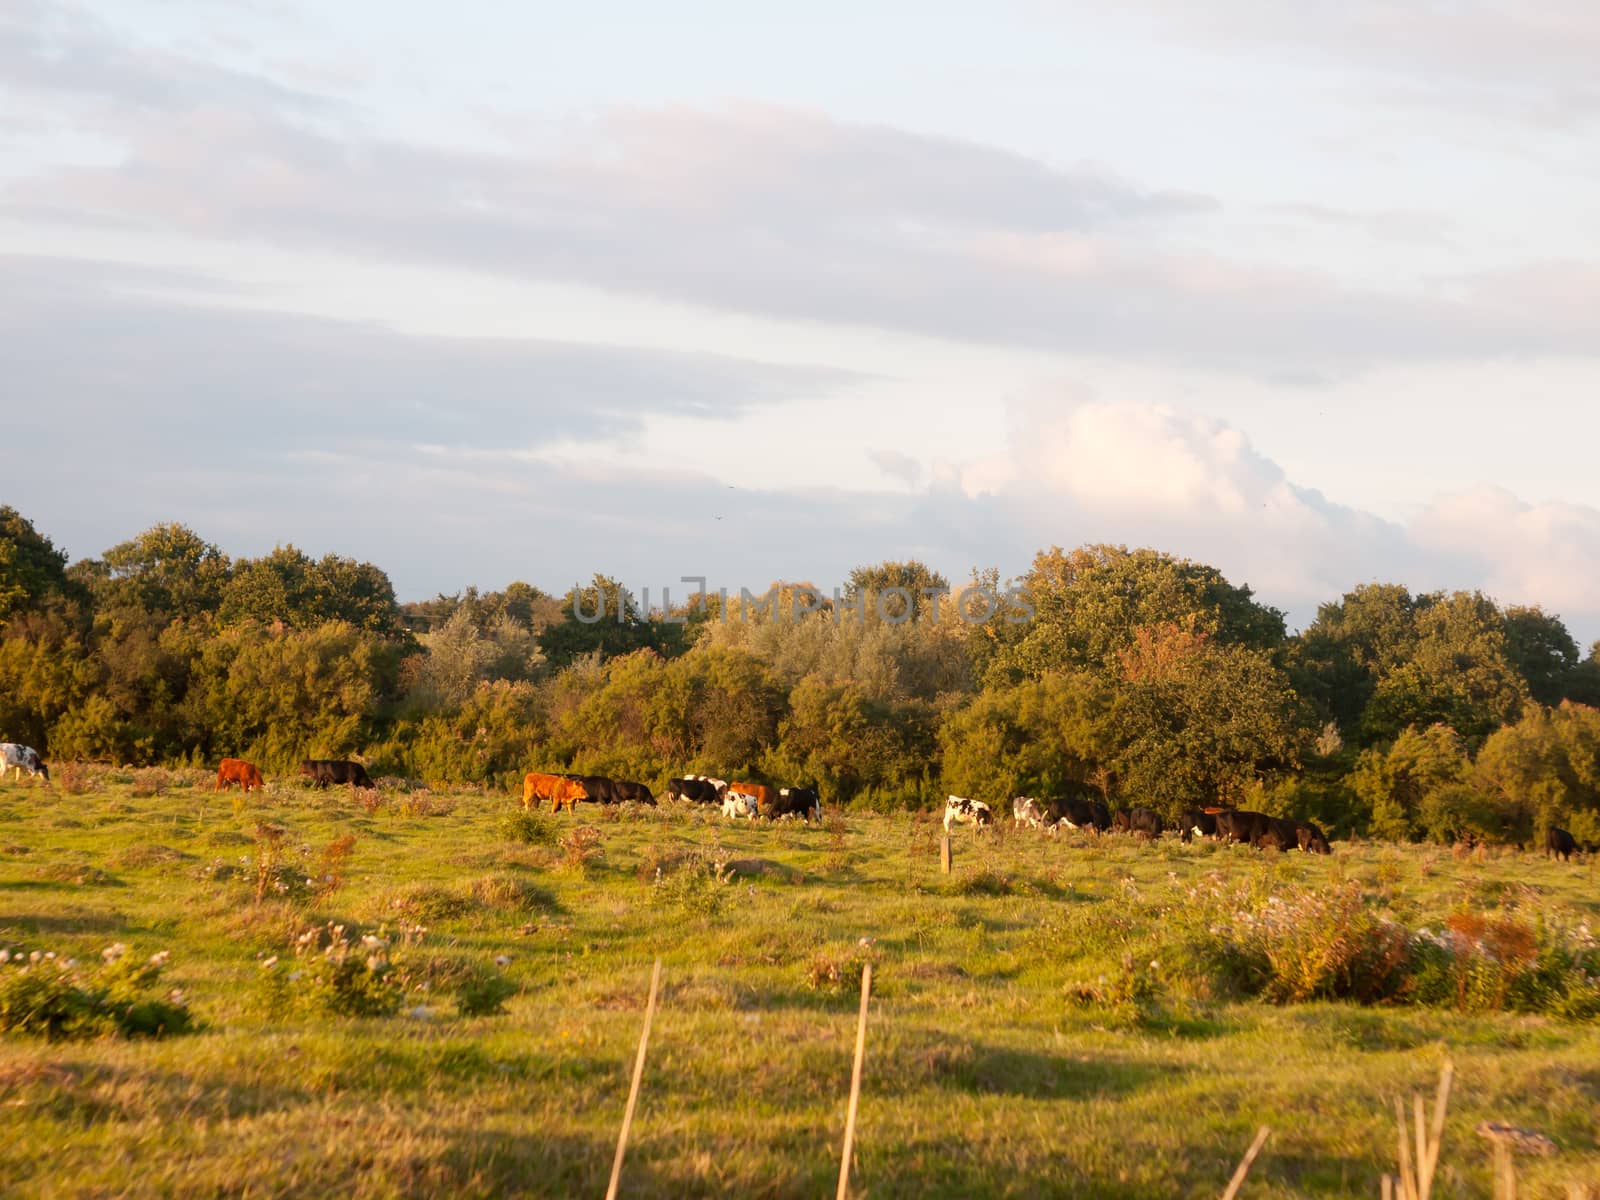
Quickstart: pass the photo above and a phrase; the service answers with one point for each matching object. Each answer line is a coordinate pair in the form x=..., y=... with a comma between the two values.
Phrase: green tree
x=31, y=568
x=1542, y=651
x=1089, y=604
x=603, y=618
x=289, y=587
x=1200, y=722
x=1398, y=785
x=168, y=570
x=1044, y=737
x=914, y=579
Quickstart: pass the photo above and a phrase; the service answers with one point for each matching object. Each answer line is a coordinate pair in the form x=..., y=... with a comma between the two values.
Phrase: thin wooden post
x=855, y=1082
x=1243, y=1169
x=944, y=854
x=633, y=1091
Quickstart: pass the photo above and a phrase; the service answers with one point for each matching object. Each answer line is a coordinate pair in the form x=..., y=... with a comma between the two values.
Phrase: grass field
x=1038, y=1027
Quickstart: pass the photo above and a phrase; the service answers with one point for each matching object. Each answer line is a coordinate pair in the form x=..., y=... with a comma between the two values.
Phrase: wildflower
x=295, y=976
x=372, y=942
x=268, y=963
x=35, y=956
x=375, y=962
x=5, y=957
x=502, y=960
x=160, y=957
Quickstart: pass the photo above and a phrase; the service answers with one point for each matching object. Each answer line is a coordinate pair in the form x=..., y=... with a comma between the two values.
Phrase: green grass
x=1008, y=1052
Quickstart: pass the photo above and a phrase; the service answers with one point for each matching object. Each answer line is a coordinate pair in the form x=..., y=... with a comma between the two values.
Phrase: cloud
x=93, y=358
x=745, y=208
x=897, y=466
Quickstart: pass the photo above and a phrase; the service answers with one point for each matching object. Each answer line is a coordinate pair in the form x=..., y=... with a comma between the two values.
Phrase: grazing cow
x=1080, y=814
x=1139, y=820
x=325, y=771
x=236, y=770
x=1312, y=839
x=697, y=789
x=1025, y=810
x=1242, y=825
x=759, y=793
x=627, y=789
x=21, y=758
x=803, y=802
x=1199, y=822
x=737, y=803
x=958, y=810
x=558, y=789
x=1560, y=843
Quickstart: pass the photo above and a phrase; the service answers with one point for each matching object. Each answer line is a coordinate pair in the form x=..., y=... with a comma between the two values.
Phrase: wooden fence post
x=633, y=1091
x=944, y=854
x=855, y=1084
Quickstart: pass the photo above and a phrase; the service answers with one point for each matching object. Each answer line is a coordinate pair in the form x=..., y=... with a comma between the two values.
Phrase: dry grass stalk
x=1415, y=1181
x=1243, y=1169
x=855, y=1084
x=633, y=1090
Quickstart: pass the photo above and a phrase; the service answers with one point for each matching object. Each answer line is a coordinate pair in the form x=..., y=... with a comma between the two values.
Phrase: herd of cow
x=751, y=800
x=736, y=799
x=1219, y=824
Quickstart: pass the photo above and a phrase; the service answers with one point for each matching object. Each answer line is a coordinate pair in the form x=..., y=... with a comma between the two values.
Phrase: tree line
x=1137, y=677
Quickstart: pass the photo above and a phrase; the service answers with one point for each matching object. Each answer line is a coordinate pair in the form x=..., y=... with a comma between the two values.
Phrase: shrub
x=58, y=999
x=333, y=973
x=530, y=828
x=697, y=887
x=483, y=993
x=72, y=778
x=581, y=848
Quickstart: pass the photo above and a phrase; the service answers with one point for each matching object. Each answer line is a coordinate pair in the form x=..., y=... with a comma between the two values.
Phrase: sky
x=484, y=292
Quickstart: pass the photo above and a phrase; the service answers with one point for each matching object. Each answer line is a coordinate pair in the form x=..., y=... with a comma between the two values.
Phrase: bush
x=697, y=887
x=59, y=999
x=333, y=973
x=530, y=828
x=483, y=993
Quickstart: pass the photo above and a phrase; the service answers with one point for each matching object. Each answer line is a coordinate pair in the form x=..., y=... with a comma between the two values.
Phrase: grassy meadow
x=1056, y=1017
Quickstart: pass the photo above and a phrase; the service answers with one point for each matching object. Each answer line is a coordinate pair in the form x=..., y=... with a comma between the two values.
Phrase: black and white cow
x=1026, y=811
x=740, y=804
x=803, y=802
x=958, y=810
x=697, y=789
x=21, y=758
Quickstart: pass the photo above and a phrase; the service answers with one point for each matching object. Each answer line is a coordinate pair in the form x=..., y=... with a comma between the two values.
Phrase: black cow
x=1312, y=839
x=1138, y=820
x=636, y=792
x=1560, y=843
x=697, y=789
x=323, y=772
x=1242, y=825
x=1198, y=821
x=600, y=789
x=1281, y=834
x=1080, y=814
x=803, y=802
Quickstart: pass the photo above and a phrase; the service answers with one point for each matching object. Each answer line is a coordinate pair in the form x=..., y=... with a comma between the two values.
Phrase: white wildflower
x=268, y=963
x=502, y=960
x=160, y=957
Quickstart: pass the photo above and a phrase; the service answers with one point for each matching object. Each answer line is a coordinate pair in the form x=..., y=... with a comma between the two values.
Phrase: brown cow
x=235, y=770
x=557, y=789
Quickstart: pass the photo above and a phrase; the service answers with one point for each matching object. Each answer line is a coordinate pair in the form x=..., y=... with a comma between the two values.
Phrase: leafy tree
x=46, y=668
x=289, y=587
x=1542, y=652
x=168, y=571
x=1398, y=785
x=31, y=568
x=1089, y=603
x=1044, y=737
x=1545, y=770
x=1200, y=722
x=603, y=618
x=849, y=744
x=925, y=587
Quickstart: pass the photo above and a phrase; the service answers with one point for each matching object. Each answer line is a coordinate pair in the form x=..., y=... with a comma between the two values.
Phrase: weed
x=530, y=828
x=581, y=849
x=58, y=998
